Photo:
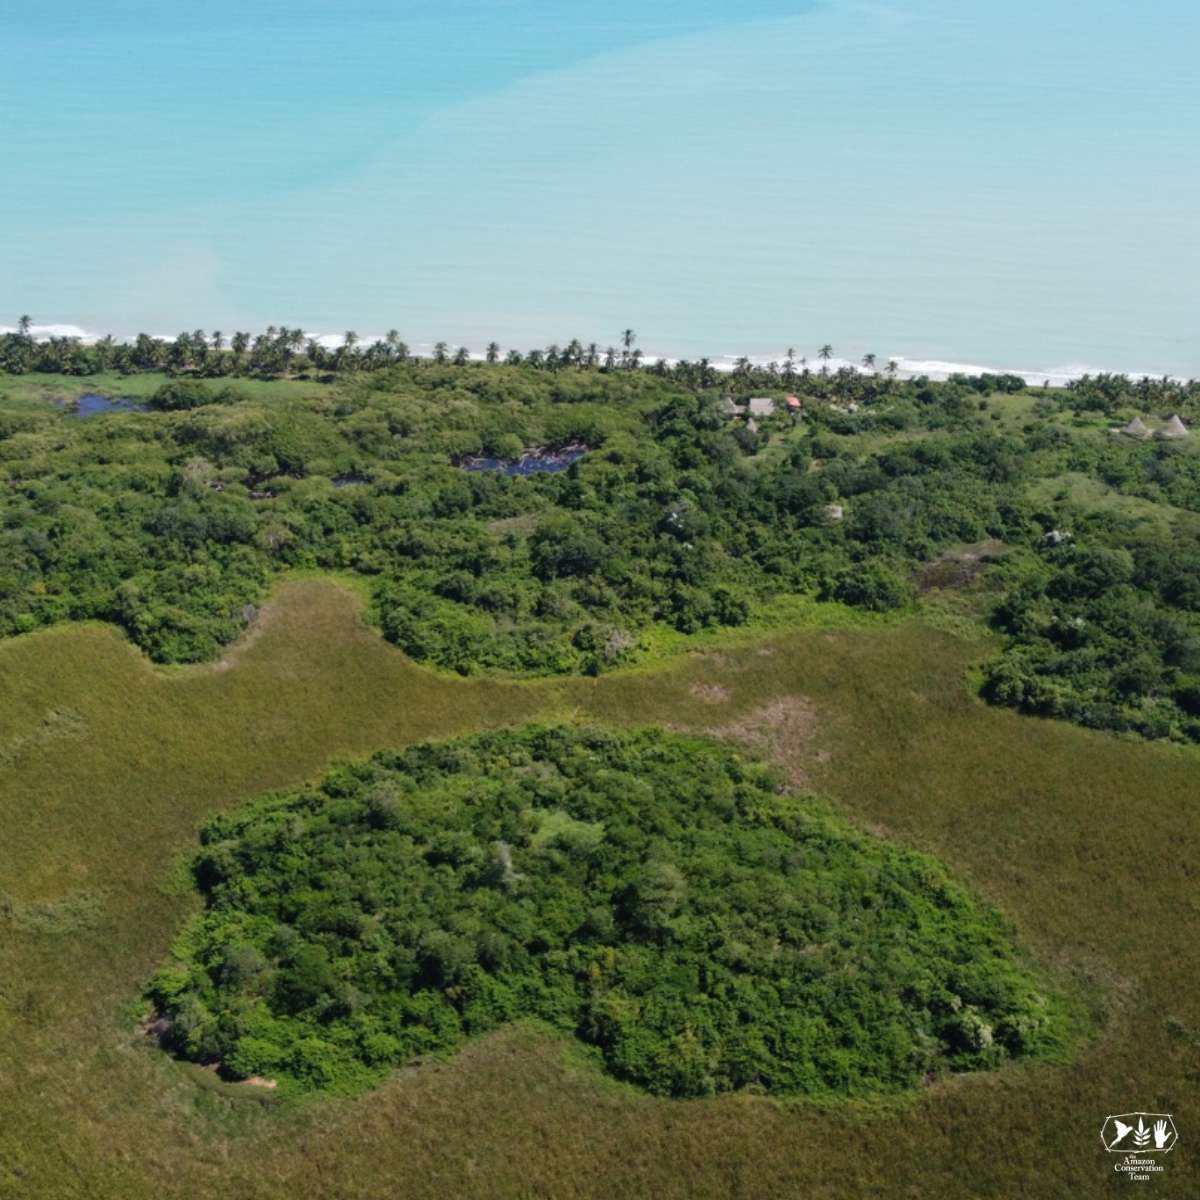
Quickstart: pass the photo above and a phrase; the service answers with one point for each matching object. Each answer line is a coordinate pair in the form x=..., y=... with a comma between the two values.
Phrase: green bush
x=178, y=395
x=653, y=895
x=171, y=524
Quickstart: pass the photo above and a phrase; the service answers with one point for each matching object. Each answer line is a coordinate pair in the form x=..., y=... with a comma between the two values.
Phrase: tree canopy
x=682, y=515
x=655, y=896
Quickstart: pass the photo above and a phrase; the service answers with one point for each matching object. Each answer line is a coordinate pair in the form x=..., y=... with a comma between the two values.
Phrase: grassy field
x=66, y=389
x=1089, y=842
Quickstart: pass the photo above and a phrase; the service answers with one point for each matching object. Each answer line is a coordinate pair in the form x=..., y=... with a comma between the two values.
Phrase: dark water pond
x=348, y=481
x=89, y=406
x=528, y=464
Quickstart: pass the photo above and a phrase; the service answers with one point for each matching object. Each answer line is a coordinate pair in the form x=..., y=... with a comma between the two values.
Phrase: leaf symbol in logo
x=1141, y=1135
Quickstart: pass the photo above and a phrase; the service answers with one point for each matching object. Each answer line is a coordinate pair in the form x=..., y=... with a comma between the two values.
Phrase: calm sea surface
x=1014, y=184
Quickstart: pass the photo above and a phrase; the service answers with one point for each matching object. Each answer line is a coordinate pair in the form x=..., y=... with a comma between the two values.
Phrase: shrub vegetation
x=654, y=895
x=171, y=523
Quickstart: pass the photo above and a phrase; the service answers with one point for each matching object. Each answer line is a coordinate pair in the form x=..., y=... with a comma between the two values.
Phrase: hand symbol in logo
x=1160, y=1134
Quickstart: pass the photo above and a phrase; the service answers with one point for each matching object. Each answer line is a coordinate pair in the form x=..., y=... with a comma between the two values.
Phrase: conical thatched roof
x=1174, y=428
x=1136, y=428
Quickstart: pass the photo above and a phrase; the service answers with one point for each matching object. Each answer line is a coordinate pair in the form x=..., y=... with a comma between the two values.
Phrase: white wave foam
x=936, y=369
x=43, y=333
x=906, y=368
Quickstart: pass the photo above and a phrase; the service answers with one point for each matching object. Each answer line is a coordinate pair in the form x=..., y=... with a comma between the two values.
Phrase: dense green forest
x=683, y=514
x=654, y=895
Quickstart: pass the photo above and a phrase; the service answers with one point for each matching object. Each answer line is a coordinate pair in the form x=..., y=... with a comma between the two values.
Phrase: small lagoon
x=90, y=406
x=530, y=463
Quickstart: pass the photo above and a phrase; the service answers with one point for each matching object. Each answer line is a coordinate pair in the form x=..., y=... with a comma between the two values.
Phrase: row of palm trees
x=282, y=351
x=1109, y=392
x=279, y=352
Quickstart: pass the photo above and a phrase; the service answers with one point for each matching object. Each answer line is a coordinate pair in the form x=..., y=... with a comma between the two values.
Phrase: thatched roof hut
x=1136, y=428
x=1174, y=428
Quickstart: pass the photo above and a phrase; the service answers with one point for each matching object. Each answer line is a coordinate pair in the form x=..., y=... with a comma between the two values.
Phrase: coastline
x=907, y=368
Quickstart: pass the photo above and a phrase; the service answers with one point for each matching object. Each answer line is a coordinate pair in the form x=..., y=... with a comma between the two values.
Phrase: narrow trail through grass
x=1087, y=841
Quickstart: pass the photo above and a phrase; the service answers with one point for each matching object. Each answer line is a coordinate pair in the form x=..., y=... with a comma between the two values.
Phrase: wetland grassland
x=1087, y=841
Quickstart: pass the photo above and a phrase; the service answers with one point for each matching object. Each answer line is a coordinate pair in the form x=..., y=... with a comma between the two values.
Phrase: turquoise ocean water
x=1012, y=185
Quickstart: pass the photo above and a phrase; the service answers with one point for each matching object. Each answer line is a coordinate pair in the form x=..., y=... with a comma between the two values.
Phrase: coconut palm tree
x=610, y=358
x=147, y=352
x=103, y=351
x=825, y=354
x=439, y=352
x=179, y=352
x=285, y=347
x=892, y=367
x=345, y=354
x=397, y=349
x=592, y=357
x=461, y=356
x=869, y=362
x=493, y=352
x=217, y=341
x=24, y=325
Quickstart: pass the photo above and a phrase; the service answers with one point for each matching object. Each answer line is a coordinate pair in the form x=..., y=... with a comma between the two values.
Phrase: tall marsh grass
x=1090, y=843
